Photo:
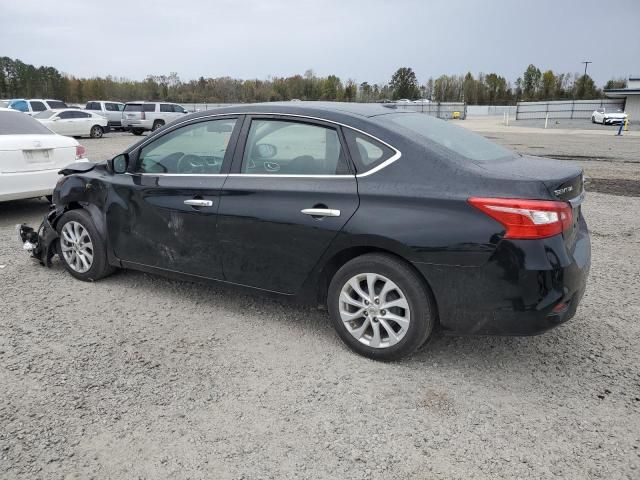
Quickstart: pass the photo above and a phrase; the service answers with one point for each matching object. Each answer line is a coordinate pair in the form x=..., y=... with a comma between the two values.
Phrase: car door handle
x=321, y=212
x=199, y=203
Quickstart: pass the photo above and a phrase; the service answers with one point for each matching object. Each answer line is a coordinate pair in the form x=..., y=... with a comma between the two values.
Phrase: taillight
x=142, y=116
x=80, y=151
x=527, y=218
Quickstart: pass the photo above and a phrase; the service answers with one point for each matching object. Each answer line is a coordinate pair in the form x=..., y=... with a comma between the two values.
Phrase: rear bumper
x=19, y=185
x=527, y=287
x=137, y=124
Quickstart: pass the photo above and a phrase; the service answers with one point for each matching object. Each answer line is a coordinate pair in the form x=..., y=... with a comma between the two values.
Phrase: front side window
x=292, y=148
x=38, y=106
x=198, y=148
x=178, y=109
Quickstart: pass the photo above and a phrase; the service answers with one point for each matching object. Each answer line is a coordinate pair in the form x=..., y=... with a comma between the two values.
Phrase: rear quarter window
x=366, y=152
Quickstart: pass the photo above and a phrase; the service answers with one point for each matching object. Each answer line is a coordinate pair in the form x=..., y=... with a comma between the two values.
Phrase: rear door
x=171, y=194
x=81, y=123
x=291, y=191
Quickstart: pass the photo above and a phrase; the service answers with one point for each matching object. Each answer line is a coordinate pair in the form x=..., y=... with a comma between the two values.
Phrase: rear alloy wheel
x=157, y=125
x=96, y=131
x=81, y=248
x=380, y=307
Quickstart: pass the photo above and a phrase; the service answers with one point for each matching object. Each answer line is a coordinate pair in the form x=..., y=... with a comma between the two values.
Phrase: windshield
x=453, y=138
x=16, y=123
x=45, y=114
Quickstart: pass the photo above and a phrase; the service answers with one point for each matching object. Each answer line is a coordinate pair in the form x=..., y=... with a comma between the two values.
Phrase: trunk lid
x=28, y=153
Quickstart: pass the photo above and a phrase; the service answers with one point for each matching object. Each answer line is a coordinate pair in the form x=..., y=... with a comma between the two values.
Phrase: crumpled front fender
x=41, y=242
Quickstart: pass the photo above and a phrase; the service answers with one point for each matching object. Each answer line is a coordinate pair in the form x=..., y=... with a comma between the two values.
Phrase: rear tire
x=96, y=131
x=393, y=321
x=81, y=248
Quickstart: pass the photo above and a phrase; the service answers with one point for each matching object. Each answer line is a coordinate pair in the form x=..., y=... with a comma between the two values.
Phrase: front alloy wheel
x=76, y=247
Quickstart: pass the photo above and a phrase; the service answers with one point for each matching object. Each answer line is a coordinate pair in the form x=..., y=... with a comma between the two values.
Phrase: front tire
x=157, y=124
x=80, y=247
x=593, y=119
x=137, y=131
x=380, y=307
x=96, y=131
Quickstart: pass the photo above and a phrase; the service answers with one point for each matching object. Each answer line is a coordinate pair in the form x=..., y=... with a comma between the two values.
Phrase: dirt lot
x=138, y=376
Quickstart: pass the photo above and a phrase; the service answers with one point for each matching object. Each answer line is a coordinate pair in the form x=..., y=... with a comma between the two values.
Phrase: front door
x=171, y=199
x=291, y=192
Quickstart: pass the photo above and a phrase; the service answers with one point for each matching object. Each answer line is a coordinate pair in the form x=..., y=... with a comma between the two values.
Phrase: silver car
x=139, y=117
x=112, y=111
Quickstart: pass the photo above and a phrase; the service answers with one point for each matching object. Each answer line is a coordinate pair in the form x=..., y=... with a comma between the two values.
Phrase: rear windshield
x=455, y=139
x=16, y=123
x=56, y=104
x=45, y=114
x=133, y=107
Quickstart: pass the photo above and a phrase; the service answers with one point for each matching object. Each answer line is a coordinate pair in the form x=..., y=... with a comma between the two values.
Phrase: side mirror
x=119, y=163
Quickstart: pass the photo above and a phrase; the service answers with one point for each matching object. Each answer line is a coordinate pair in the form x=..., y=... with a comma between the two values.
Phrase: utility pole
x=584, y=77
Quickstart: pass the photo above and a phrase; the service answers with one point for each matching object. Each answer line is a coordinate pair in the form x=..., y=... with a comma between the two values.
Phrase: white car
x=31, y=156
x=139, y=117
x=74, y=122
x=35, y=105
x=608, y=116
x=112, y=111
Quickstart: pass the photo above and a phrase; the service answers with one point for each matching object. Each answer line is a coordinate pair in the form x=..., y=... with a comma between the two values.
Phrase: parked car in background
x=4, y=103
x=74, y=122
x=422, y=101
x=608, y=116
x=395, y=220
x=403, y=100
x=112, y=111
x=35, y=105
x=31, y=156
x=139, y=117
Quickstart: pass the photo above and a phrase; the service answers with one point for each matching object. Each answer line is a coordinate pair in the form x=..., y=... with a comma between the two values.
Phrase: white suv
x=112, y=111
x=35, y=105
x=142, y=116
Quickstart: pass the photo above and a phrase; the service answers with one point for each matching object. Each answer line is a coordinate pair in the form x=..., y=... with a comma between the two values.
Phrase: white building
x=631, y=94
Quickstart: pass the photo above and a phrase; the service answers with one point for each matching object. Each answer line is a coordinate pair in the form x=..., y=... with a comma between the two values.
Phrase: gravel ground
x=137, y=376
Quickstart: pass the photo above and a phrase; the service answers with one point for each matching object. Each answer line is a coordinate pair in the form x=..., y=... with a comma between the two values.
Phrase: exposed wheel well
x=342, y=257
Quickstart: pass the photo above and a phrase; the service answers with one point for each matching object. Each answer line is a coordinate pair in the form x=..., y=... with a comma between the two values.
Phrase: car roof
x=144, y=101
x=328, y=110
x=109, y=101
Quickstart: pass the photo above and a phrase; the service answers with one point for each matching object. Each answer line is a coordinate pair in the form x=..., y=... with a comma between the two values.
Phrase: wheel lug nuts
x=383, y=312
x=366, y=302
x=377, y=300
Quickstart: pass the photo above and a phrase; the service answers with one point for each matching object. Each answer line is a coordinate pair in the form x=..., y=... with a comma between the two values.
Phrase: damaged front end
x=40, y=243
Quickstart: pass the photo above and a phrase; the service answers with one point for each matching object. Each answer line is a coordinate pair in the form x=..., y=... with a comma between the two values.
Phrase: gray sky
x=366, y=40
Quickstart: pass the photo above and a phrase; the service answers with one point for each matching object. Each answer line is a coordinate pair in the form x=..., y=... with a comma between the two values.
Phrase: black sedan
x=397, y=222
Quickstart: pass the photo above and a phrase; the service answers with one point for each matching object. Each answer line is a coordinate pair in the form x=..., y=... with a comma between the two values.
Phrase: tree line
x=21, y=80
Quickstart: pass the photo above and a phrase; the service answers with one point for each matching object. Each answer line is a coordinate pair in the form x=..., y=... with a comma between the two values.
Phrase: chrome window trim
x=384, y=164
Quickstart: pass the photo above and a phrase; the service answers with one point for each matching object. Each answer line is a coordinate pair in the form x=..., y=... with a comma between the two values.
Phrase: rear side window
x=78, y=114
x=13, y=123
x=366, y=152
x=292, y=148
x=66, y=115
x=166, y=108
x=38, y=106
x=56, y=104
x=149, y=107
x=133, y=107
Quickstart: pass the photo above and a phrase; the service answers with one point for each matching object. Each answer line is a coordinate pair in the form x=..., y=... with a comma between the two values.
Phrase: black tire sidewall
x=414, y=289
x=99, y=267
x=96, y=128
x=157, y=125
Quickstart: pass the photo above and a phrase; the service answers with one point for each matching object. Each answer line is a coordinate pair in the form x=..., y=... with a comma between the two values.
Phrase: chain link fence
x=582, y=109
